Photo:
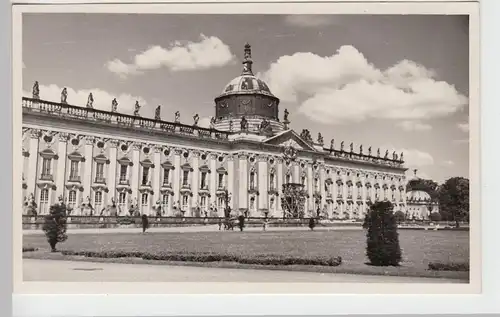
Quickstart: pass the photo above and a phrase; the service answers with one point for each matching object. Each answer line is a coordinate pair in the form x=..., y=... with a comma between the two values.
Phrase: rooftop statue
x=114, y=105
x=36, y=91
x=244, y=124
x=90, y=101
x=212, y=123
x=361, y=149
x=386, y=155
x=378, y=152
x=394, y=155
x=320, y=139
x=137, y=108
x=177, y=116
x=351, y=146
x=285, y=116
x=158, y=113
x=64, y=95
x=332, y=144
x=370, y=151
x=401, y=156
x=196, y=118
x=342, y=146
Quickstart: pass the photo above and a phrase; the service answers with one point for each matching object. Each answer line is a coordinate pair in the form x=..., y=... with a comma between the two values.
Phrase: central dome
x=247, y=99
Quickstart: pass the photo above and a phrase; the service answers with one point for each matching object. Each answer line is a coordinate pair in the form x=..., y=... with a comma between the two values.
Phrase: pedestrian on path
x=145, y=223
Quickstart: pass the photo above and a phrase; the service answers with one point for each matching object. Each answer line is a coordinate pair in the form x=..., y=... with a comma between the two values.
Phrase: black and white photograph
x=245, y=148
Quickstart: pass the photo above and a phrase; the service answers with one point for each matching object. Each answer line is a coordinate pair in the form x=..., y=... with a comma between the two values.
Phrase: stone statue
x=212, y=123
x=36, y=91
x=386, y=155
x=401, y=156
x=87, y=201
x=60, y=200
x=285, y=116
x=230, y=125
x=177, y=117
x=394, y=155
x=137, y=108
x=332, y=144
x=342, y=146
x=306, y=135
x=196, y=118
x=64, y=95
x=351, y=146
x=114, y=105
x=31, y=200
x=320, y=139
x=378, y=152
x=370, y=151
x=158, y=113
x=90, y=101
x=361, y=149
x=244, y=124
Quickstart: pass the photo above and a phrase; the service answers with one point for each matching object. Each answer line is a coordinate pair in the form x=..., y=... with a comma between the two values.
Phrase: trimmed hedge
x=458, y=266
x=212, y=257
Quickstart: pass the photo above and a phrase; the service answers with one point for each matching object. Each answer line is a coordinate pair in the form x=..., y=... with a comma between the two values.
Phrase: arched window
x=145, y=199
x=72, y=199
x=98, y=201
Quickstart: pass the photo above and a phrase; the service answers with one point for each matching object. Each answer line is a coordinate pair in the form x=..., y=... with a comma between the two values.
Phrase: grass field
x=419, y=247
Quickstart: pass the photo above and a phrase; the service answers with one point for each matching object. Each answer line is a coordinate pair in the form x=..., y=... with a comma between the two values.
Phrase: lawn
x=419, y=247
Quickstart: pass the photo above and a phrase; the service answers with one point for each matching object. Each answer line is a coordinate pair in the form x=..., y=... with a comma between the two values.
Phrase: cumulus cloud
x=464, y=127
x=309, y=21
x=345, y=88
x=414, y=126
x=102, y=99
x=208, y=52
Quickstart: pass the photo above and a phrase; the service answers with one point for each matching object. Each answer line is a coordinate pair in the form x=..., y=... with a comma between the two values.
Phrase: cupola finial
x=247, y=60
x=415, y=172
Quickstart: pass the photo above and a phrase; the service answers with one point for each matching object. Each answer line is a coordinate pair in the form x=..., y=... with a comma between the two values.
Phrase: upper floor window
x=145, y=175
x=46, y=166
x=252, y=180
x=185, y=178
x=73, y=173
x=221, y=180
x=99, y=171
x=166, y=175
x=316, y=184
x=271, y=181
x=203, y=179
x=123, y=173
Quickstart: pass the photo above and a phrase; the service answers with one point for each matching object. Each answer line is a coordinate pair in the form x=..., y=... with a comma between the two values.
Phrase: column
x=135, y=177
x=322, y=178
x=157, y=172
x=195, y=182
x=230, y=180
x=262, y=182
x=87, y=171
x=33, y=163
x=279, y=209
x=213, y=178
x=296, y=172
x=243, y=181
x=111, y=181
x=310, y=188
x=62, y=147
x=177, y=176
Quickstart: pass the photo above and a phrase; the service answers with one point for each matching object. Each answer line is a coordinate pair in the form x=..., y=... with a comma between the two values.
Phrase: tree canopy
x=454, y=199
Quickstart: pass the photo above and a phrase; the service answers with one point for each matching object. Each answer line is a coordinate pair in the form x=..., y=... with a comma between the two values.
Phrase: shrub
x=382, y=243
x=264, y=259
x=312, y=223
x=55, y=225
x=29, y=249
x=459, y=266
x=241, y=222
x=399, y=216
x=435, y=216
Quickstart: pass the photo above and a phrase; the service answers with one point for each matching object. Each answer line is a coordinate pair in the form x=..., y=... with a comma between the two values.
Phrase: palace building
x=108, y=163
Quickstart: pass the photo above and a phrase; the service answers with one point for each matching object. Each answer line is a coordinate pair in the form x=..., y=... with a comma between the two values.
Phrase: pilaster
x=243, y=181
x=262, y=170
x=135, y=177
x=33, y=163
x=213, y=178
x=111, y=181
x=61, y=163
x=157, y=174
x=230, y=180
x=177, y=177
x=310, y=189
x=87, y=171
x=195, y=179
x=279, y=188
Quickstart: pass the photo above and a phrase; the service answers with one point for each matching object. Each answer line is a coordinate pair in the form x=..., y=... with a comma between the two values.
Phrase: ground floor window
x=185, y=203
x=98, y=201
x=122, y=201
x=164, y=203
x=144, y=202
x=72, y=199
x=220, y=205
x=44, y=201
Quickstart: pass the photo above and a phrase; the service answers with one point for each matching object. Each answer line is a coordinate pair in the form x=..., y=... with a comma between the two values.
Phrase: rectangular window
x=145, y=175
x=221, y=180
x=122, y=198
x=123, y=173
x=145, y=199
x=73, y=173
x=252, y=180
x=220, y=205
x=271, y=181
x=185, y=178
x=46, y=164
x=166, y=174
x=44, y=201
x=203, y=203
x=98, y=198
x=164, y=203
x=203, y=180
x=99, y=171
x=185, y=203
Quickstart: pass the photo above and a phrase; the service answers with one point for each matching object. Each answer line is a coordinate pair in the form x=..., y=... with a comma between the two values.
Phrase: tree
x=400, y=216
x=428, y=185
x=382, y=243
x=55, y=225
x=435, y=216
x=454, y=199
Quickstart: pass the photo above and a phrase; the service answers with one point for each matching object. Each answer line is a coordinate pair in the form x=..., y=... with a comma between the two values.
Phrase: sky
x=395, y=82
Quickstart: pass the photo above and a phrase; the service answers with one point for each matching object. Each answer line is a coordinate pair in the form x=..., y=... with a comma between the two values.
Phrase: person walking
x=145, y=223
